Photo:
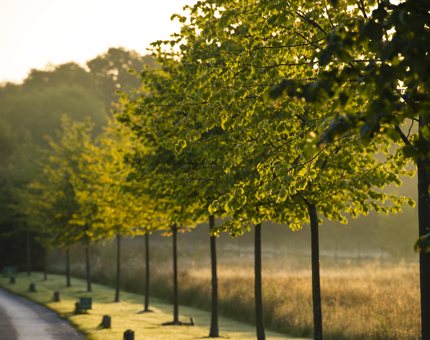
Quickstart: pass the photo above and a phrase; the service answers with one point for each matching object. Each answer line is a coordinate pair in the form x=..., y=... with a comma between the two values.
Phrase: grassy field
x=125, y=314
x=360, y=299
x=366, y=301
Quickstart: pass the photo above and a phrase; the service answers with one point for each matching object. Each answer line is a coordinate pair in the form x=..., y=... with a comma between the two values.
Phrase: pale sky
x=36, y=32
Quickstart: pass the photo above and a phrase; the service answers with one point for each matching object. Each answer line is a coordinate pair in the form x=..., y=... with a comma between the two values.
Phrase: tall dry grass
x=360, y=300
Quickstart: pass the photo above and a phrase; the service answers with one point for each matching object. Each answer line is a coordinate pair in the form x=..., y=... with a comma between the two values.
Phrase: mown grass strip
x=125, y=314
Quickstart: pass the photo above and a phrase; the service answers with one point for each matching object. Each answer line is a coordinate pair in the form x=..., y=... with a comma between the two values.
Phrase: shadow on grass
x=178, y=323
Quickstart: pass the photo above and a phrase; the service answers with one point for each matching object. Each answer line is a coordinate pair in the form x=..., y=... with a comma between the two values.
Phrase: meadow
x=125, y=314
x=361, y=298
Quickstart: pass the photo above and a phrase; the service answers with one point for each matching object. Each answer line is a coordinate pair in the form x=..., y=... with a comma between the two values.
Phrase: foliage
x=7, y=143
x=115, y=70
x=373, y=71
x=31, y=110
x=422, y=245
x=257, y=154
x=39, y=112
x=122, y=209
x=59, y=203
x=70, y=74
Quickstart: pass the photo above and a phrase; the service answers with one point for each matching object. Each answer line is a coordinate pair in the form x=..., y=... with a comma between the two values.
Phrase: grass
x=360, y=299
x=368, y=301
x=125, y=314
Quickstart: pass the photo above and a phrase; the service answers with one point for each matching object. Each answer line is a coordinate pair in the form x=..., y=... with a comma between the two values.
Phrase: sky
x=34, y=33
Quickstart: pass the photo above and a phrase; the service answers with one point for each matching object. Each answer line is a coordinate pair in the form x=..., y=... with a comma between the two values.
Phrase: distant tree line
x=264, y=111
x=33, y=110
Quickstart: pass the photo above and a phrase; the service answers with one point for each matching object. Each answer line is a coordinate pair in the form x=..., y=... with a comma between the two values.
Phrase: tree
x=7, y=143
x=385, y=90
x=122, y=212
x=19, y=168
x=40, y=112
x=28, y=113
x=35, y=108
x=147, y=272
x=112, y=71
x=271, y=170
x=171, y=175
x=68, y=74
x=70, y=166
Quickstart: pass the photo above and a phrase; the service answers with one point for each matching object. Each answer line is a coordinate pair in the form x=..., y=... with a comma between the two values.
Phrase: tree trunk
x=316, y=287
x=45, y=265
x=87, y=260
x=175, y=277
x=214, y=333
x=28, y=254
x=68, y=268
x=258, y=292
x=147, y=272
x=118, y=255
x=424, y=228
x=336, y=246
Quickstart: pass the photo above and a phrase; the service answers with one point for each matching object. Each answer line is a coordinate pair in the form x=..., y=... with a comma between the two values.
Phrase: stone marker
x=32, y=287
x=106, y=322
x=129, y=334
x=57, y=296
x=12, y=279
x=78, y=308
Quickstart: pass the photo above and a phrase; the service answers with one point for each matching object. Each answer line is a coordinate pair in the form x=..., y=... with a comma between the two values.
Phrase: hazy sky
x=35, y=32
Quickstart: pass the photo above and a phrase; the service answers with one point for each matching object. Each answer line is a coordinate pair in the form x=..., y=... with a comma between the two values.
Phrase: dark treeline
x=33, y=110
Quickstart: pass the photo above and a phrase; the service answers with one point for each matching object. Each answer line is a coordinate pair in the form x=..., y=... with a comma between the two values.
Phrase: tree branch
x=402, y=135
x=287, y=46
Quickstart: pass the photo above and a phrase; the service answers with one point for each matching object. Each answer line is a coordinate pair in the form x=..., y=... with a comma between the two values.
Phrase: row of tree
x=32, y=110
x=260, y=111
x=275, y=111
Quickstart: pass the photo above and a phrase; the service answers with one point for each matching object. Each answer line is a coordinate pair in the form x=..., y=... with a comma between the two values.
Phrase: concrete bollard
x=106, y=322
x=77, y=308
x=129, y=334
x=57, y=296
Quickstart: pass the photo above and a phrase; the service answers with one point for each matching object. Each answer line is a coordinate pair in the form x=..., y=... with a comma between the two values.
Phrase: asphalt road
x=22, y=319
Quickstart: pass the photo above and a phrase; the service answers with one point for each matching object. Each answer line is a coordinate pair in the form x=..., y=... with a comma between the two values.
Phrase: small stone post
x=106, y=322
x=129, y=334
x=57, y=296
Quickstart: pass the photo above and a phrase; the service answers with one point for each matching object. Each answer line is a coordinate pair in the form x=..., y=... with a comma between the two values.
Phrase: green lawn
x=125, y=314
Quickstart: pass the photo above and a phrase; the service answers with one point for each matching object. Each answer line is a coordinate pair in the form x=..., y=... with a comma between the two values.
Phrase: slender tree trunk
x=316, y=287
x=28, y=254
x=147, y=272
x=258, y=291
x=68, y=268
x=175, y=277
x=359, y=250
x=214, y=332
x=87, y=260
x=45, y=265
x=335, y=250
x=118, y=255
x=424, y=228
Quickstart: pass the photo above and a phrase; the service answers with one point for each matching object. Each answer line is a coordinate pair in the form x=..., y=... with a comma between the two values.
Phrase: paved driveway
x=22, y=319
